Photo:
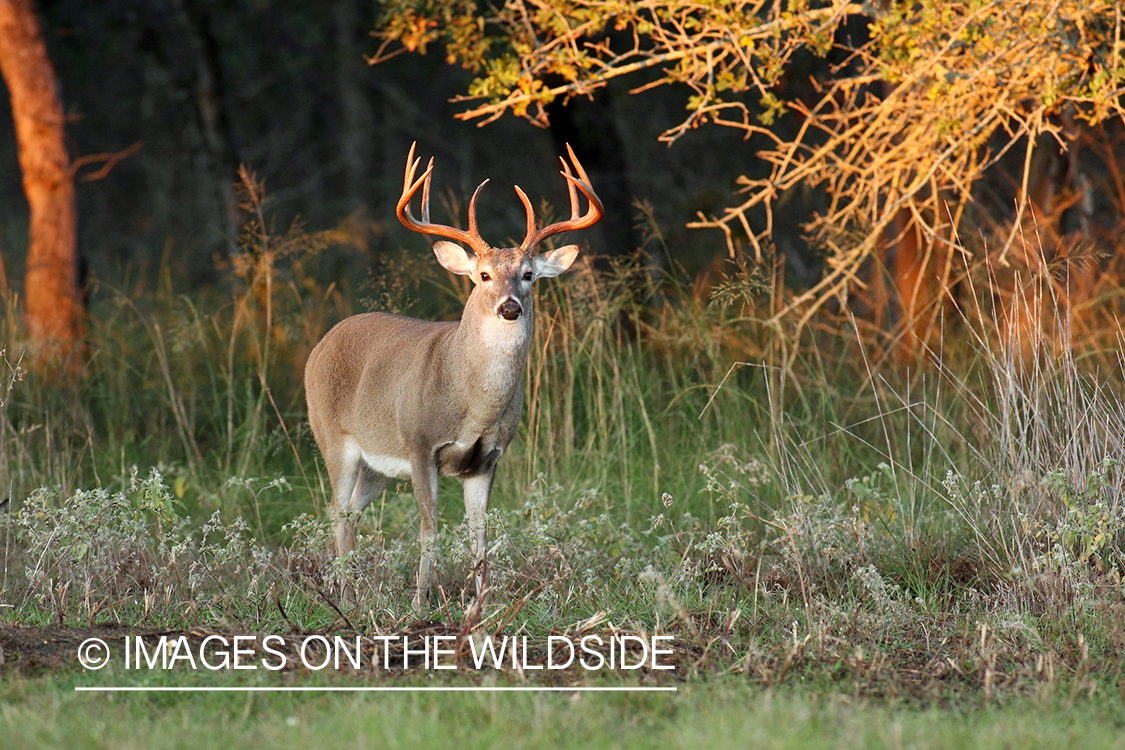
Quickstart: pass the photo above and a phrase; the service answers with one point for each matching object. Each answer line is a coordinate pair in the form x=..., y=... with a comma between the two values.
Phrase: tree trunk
x=210, y=105
x=352, y=76
x=53, y=307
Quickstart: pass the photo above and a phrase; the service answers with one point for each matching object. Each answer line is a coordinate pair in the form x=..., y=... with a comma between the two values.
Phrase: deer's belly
x=388, y=466
x=453, y=460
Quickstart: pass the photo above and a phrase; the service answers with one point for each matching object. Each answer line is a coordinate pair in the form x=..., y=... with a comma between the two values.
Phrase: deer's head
x=502, y=276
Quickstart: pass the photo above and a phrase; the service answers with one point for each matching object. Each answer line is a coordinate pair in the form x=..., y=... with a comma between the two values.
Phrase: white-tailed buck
x=395, y=397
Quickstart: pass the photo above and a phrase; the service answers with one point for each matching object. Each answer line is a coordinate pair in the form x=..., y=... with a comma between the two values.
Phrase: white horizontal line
x=309, y=689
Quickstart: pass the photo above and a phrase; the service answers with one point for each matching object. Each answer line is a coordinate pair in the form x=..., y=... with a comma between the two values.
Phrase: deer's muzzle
x=509, y=309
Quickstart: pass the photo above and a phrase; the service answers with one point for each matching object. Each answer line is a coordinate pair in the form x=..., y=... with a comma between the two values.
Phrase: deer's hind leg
x=355, y=485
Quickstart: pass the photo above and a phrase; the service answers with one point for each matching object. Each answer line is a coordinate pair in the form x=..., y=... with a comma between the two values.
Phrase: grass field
x=715, y=713
x=846, y=551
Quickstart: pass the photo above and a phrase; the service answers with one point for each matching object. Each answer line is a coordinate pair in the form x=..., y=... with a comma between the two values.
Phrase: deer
x=393, y=397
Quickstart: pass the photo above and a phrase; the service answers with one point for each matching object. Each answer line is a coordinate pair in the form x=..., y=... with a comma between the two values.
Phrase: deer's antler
x=594, y=212
x=410, y=186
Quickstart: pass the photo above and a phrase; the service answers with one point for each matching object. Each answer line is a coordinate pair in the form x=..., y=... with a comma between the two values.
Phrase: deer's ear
x=453, y=258
x=554, y=262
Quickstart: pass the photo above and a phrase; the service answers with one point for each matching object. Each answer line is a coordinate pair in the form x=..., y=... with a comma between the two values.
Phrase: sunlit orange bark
x=918, y=273
x=53, y=308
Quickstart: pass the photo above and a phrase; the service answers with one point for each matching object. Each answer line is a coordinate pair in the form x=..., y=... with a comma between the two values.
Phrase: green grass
x=46, y=712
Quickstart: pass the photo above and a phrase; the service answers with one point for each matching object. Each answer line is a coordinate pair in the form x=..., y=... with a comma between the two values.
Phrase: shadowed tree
x=910, y=107
x=52, y=305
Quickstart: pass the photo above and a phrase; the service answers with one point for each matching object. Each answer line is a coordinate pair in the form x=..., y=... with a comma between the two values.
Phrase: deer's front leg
x=424, y=475
x=477, y=491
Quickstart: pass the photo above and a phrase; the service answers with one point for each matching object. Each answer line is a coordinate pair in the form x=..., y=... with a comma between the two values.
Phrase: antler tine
x=593, y=214
x=570, y=185
x=473, y=213
x=411, y=165
x=410, y=186
x=426, y=193
x=577, y=165
x=527, y=239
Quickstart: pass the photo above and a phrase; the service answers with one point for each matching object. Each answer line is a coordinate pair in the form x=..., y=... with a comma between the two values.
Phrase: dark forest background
x=283, y=87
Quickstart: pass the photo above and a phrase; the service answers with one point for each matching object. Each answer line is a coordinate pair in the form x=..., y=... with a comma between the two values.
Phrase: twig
x=111, y=160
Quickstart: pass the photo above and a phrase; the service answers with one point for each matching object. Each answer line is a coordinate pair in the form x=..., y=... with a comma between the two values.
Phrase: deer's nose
x=509, y=309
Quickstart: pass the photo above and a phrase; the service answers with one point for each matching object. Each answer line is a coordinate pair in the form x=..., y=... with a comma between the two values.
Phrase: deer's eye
x=485, y=277
x=527, y=275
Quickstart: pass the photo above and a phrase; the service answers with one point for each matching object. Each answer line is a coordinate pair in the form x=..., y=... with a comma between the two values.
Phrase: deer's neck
x=494, y=352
